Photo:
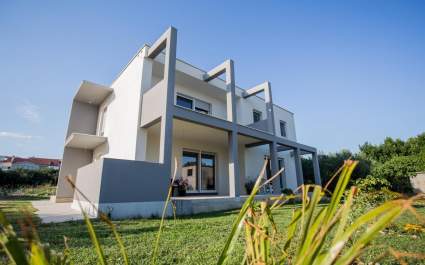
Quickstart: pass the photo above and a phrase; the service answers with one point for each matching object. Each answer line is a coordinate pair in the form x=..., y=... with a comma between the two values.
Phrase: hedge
x=23, y=177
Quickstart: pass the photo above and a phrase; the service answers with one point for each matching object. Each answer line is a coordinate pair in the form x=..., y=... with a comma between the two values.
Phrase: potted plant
x=180, y=186
x=249, y=185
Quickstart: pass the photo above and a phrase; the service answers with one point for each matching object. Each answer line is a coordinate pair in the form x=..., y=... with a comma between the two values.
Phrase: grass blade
x=117, y=237
x=10, y=243
x=237, y=224
x=94, y=239
x=161, y=224
x=37, y=255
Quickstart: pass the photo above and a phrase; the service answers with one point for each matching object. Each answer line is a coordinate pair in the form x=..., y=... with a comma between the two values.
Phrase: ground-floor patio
x=212, y=161
x=50, y=212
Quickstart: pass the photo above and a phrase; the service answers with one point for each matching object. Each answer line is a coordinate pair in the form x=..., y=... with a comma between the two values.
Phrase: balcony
x=84, y=141
x=92, y=93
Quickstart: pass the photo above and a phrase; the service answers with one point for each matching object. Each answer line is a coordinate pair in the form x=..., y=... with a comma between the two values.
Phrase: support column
x=316, y=169
x=274, y=167
x=228, y=68
x=234, y=182
x=145, y=84
x=269, y=108
x=298, y=167
x=167, y=41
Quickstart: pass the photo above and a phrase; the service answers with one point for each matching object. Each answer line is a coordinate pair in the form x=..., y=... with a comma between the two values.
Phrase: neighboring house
x=161, y=113
x=6, y=163
x=46, y=162
x=31, y=163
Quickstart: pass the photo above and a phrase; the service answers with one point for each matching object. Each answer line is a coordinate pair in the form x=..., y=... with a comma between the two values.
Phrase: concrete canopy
x=92, y=93
x=84, y=141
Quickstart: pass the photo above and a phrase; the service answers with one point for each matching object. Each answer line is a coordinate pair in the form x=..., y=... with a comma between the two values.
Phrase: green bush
x=12, y=179
x=398, y=171
x=329, y=164
x=372, y=183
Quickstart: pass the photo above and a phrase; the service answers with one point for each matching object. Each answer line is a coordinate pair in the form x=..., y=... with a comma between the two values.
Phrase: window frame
x=194, y=105
x=198, y=171
x=185, y=97
x=284, y=132
x=102, y=122
x=255, y=111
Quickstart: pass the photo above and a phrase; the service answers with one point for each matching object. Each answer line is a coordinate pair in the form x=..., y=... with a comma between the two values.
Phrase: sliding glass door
x=207, y=172
x=199, y=170
x=190, y=170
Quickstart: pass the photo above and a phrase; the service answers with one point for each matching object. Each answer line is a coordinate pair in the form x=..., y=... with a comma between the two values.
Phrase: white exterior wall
x=121, y=123
x=245, y=107
x=283, y=115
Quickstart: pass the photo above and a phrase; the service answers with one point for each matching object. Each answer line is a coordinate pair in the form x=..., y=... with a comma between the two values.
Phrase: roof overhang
x=84, y=141
x=92, y=93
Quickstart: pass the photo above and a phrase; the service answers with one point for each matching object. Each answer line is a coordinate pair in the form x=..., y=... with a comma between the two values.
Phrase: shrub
x=398, y=171
x=372, y=183
x=372, y=191
x=23, y=177
x=315, y=235
x=249, y=185
x=287, y=191
x=329, y=164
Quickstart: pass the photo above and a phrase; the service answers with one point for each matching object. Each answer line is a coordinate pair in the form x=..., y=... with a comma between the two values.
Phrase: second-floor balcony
x=210, y=98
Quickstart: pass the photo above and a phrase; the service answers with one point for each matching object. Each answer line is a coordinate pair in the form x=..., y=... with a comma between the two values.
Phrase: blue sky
x=350, y=71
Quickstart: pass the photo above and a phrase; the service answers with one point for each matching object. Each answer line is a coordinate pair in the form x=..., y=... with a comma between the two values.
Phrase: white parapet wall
x=124, y=210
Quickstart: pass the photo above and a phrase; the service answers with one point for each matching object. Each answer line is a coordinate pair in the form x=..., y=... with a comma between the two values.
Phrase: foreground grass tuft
x=208, y=238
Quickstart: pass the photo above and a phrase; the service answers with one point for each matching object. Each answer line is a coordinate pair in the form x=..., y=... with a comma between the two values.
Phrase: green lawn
x=190, y=240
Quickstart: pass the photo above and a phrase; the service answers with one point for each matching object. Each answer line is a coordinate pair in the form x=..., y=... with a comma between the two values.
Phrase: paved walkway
x=50, y=212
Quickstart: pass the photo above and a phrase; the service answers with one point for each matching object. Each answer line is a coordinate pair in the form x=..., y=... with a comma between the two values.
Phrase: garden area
x=190, y=240
x=367, y=210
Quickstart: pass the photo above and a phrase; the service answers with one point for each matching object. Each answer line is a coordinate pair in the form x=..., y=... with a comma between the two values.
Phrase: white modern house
x=161, y=113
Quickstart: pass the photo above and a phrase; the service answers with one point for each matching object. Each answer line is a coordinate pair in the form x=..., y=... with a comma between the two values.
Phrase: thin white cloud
x=29, y=111
x=18, y=136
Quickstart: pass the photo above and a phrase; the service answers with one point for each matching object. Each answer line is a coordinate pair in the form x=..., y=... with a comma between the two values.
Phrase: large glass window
x=190, y=169
x=198, y=168
x=184, y=102
x=193, y=104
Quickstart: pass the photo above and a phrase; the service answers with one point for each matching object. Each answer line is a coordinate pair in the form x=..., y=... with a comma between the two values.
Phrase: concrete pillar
x=145, y=84
x=228, y=68
x=316, y=169
x=274, y=167
x=269, y=108
x=298, y=167
x=166, y=134
x=283, y=183
x=234, y=181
